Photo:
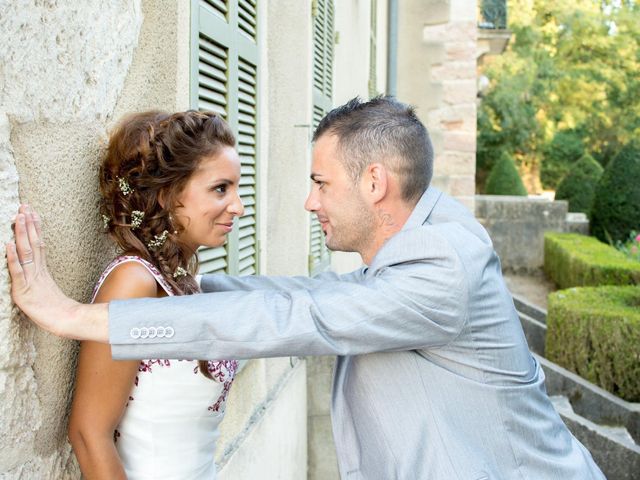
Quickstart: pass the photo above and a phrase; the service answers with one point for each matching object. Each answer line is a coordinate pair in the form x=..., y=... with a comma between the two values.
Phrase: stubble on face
x=354, y=228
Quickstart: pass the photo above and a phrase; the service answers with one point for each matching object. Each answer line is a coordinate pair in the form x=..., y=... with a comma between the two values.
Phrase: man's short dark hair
x=382, y=130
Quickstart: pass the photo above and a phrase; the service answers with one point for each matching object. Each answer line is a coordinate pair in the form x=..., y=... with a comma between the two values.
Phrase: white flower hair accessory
x=180, y=272
x=105, y=221
x=158, y=240
x=136, y=219
x=124, y=186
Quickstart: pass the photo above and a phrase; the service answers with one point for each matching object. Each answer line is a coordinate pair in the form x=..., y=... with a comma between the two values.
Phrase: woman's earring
x=175, y=231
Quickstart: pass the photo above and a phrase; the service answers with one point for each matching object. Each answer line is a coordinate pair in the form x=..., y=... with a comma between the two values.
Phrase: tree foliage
x=616, y=204
x=570, y=67
x=579, y=185
x=559, y=156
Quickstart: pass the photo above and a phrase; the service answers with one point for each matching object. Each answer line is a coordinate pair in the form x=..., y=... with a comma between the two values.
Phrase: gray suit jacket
x=433, y=378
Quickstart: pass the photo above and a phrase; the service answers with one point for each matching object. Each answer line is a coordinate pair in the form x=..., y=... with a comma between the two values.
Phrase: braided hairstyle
x=150, y=157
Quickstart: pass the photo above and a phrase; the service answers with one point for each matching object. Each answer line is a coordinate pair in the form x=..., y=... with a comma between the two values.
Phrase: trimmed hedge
x=574, y=260
x=504, y=178
x=595, y=332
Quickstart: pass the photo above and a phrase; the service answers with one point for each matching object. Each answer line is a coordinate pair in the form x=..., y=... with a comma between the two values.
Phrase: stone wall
x=69, y=71
x=516, y=226
x=63, y=70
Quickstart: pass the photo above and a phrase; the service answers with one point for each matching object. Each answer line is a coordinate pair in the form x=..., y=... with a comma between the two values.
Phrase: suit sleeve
x=225, y=283
x=403, y=307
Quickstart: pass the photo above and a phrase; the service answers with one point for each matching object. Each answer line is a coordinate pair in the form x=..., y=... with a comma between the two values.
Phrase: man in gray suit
x=433, y=378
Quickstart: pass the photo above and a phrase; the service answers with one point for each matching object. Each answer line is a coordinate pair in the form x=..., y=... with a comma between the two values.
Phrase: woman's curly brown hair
x=155, y=154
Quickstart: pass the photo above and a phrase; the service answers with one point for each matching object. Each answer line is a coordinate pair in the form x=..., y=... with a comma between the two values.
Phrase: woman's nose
x=236, y=207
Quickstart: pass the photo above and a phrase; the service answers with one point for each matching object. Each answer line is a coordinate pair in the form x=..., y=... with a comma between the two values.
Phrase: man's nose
x=311, y=204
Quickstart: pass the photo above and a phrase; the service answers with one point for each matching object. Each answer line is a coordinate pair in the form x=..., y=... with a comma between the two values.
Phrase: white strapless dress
x=170, y=425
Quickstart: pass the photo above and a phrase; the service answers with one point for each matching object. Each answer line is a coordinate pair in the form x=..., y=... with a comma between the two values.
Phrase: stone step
x=612, y=448
x=608, y=426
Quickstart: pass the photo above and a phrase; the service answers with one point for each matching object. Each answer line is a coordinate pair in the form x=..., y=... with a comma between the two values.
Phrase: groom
x=433, y=378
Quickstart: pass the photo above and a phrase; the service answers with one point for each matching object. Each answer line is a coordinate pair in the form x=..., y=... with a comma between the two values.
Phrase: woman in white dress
x=169, y=185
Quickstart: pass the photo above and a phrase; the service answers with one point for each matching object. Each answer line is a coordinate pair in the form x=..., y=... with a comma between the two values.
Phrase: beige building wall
x=437, y=73
x=264, y=434
x=351, y=78
x=69, y=70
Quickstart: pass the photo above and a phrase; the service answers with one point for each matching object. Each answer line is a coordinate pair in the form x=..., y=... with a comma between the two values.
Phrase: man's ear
x=377, y=181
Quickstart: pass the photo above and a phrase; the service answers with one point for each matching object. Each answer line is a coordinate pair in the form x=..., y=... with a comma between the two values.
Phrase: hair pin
x=125, y=188
x=136, y=219
x=180, y=272
x=158, y=240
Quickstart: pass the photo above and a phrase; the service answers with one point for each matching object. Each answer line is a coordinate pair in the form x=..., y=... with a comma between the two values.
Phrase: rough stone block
x=454, y=31
x=455, y=185
x=460, y=92
x=459, y=141
x=455, y=163
x=434, y=51
x=454, y=117
x=450, y=70
x=460, y=51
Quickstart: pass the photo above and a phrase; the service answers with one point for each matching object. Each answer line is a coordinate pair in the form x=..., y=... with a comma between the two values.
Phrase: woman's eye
x=220, y=189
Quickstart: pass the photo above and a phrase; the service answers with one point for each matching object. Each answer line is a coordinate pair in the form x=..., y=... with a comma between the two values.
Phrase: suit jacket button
x=153, y=331
x=170, y=332
x=161, y=332
x=144, y=332
x=135, y=333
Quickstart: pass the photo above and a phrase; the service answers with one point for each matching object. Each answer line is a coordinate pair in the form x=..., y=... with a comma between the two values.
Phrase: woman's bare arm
x=103, y=385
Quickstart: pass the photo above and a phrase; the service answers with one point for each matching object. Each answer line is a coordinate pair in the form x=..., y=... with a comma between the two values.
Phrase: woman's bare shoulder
x=127, y=280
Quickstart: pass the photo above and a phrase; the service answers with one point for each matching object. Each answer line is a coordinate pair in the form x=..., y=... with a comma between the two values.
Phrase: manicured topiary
x=579, y=185
x=504, y=178
x=574, y=260
x=616, y=204
x=558, y=155
x=595, y=332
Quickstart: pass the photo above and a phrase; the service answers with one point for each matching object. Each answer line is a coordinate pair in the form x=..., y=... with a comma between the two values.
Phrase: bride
x=169, y=184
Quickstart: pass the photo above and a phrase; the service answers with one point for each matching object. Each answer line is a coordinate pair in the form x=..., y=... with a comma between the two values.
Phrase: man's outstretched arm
x=219, y=282
x=37, y=294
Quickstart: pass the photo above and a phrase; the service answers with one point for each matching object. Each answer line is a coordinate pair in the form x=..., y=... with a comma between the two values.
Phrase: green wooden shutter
x=323, y=43
x=224, y=78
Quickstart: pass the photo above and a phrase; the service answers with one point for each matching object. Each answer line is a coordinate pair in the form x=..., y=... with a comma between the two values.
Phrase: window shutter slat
x=322, y=80
x=218, y=6
x=225, y=80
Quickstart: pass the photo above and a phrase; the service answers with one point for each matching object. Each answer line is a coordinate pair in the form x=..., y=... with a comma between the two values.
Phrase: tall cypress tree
x=616, y=205
x=504, y=178
x=579, y=185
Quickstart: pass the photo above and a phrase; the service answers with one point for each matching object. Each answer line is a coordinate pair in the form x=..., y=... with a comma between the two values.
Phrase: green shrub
x=574, y=260
x=579, y=185
x=504, y=178
x=631, y=248
x=616, y=204
x=595, y=332
x=565, y=148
